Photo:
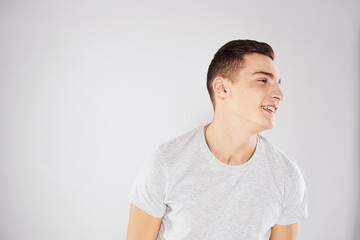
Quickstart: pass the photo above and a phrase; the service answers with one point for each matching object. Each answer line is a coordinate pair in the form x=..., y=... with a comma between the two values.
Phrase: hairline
x=240, y=65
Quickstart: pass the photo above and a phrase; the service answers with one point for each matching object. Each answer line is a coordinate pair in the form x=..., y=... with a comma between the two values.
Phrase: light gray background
x=88, y=90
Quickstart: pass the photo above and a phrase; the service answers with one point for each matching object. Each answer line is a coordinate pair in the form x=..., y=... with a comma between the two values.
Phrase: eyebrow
x=267, y=74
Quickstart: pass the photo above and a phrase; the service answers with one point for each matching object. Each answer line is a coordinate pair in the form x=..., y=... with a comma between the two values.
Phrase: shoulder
x=175, y=152
x=283, y=166
x=181, y=143
x=276, y=156
x=284, y=170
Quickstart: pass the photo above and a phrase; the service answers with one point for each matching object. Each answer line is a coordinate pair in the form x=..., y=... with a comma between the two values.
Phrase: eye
x=263, y=80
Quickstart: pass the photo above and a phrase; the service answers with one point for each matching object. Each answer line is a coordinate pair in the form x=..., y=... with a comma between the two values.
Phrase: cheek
x=248, y=99
x=251, y=98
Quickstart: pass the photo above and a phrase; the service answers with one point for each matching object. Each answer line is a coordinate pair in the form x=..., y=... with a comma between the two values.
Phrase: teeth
x=269, y=108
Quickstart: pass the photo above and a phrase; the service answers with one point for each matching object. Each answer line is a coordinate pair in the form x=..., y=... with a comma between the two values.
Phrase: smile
x=269, y=109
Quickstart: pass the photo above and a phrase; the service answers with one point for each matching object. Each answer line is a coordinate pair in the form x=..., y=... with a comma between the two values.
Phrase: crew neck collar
x=225, y=165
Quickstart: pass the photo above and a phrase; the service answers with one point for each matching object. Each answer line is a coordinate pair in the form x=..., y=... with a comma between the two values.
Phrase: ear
x=220, y=87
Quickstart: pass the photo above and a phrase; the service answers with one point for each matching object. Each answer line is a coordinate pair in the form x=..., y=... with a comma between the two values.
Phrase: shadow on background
x=357, y=220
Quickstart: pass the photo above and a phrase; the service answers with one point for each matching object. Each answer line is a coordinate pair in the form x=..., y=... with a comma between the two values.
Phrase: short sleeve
x=295, y=198
x=148, y=190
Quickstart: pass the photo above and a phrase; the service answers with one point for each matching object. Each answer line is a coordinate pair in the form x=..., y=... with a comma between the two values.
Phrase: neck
x=230, y=142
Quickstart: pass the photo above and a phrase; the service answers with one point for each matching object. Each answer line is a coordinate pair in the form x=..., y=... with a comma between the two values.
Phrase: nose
x=277, y=93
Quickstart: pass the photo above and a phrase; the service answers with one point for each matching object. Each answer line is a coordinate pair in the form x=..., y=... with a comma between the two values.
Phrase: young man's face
x=257, y=86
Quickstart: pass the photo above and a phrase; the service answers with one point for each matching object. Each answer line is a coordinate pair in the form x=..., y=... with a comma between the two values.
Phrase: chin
x=268, y=127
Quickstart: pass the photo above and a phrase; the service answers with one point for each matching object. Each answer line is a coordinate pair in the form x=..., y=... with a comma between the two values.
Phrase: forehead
x=256, y=62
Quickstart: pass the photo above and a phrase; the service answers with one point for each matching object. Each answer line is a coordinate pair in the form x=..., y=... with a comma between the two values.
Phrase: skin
x=238, y=114
x=142, y=226
x=238, y=118
x=285, y=232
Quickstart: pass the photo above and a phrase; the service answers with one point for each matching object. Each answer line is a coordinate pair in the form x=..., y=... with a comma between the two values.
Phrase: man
x=224, y=180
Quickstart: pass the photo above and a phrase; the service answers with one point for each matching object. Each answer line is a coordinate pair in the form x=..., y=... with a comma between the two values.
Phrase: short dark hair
x=229, y=58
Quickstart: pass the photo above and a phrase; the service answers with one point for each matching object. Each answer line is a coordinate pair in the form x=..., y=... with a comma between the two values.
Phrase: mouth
x=272, y=109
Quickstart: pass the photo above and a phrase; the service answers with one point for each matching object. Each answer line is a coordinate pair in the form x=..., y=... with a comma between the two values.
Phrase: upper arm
x=142, y=226
x=285, y=232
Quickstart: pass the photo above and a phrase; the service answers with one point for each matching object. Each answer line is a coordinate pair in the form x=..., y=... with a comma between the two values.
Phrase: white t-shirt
x=200, y=197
